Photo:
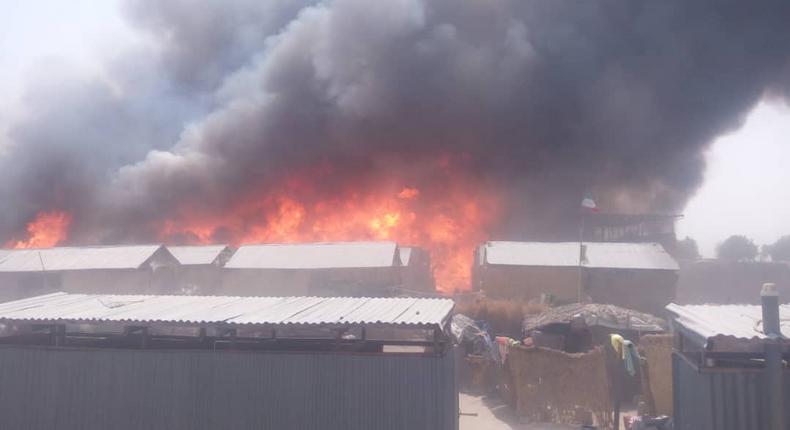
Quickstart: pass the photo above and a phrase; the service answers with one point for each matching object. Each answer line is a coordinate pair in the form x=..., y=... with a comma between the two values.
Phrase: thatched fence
x=548, y=385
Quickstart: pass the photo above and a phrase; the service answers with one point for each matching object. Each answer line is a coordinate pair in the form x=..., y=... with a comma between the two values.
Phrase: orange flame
x=46, y=230
x=408, y=193
x=448, y=225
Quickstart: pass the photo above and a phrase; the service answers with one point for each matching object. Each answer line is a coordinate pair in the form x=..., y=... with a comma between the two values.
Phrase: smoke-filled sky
x=127, y=113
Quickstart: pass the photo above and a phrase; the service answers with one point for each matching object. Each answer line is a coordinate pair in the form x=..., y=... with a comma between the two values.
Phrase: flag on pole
x=589, y=204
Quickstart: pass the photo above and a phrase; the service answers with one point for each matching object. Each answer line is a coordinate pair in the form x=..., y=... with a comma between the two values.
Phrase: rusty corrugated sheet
x=336, y=255
x=57, y=307
x=77, y=258
x=599, y=255
x=81, y=389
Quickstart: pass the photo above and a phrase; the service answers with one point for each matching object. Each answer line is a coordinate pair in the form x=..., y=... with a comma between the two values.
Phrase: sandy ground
x=493, y=415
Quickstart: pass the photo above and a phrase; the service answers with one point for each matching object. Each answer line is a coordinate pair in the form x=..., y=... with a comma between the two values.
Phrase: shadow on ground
x=493, y=414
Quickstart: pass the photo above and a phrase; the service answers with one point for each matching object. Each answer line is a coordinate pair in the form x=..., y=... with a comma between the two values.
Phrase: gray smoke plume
x=539, y=101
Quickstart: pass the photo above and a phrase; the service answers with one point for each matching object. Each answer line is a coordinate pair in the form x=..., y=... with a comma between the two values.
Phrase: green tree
x=780, y=250
x=687, y=249
x=737, y=248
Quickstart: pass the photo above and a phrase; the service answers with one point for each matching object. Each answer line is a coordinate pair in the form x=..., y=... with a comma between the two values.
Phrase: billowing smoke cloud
x=539, y=101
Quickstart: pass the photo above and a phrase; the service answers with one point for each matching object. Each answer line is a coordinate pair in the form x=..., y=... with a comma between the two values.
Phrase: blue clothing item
x=631, y=357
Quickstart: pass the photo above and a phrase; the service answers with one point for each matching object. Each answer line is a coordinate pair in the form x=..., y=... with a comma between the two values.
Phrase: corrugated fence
x=721, y=399
x=79, y=389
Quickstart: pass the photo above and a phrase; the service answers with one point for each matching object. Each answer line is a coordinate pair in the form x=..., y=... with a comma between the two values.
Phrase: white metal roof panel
x=197, y=255
x=629, y=256
x=532, y=253
x=566, y=254
x=742, y=322
x=77, y=258
x=140, y=309
x=315, y=256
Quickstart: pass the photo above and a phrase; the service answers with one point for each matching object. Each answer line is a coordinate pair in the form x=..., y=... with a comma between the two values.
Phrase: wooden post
x=614, y=370
x=581, y=260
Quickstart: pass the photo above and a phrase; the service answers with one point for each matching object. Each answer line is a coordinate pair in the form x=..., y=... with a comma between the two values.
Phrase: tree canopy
x=737, y=248
x=687, y=249
x=780, y=250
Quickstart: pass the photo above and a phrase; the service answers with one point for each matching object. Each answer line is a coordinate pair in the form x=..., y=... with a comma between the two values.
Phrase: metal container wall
x=721, y=399
x=97, y=389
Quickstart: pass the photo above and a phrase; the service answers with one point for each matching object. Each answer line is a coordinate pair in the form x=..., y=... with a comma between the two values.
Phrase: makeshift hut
x=640, y=276
x=89, y=269
x=200, y=270
x=578, y=327
x=115, y=362
x=315, y=269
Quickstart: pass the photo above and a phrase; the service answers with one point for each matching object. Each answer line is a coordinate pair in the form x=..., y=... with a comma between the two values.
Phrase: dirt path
x=493, y=415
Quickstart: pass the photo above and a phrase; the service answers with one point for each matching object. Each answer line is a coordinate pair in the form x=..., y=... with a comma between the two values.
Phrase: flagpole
x=581, y=256
x=587, y=203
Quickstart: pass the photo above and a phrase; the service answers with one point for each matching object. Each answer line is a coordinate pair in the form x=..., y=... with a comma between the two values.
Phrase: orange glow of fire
x=449, y=225
x=408, y=193
x=46, y=230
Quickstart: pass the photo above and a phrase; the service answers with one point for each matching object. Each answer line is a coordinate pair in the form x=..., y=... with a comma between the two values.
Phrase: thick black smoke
x=538, y=100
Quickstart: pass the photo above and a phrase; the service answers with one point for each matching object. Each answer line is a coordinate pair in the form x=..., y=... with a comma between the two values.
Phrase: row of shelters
x=319, y=269
x=640, y=276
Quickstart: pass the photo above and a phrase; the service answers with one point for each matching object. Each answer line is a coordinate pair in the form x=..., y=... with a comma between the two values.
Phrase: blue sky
x=747, y=183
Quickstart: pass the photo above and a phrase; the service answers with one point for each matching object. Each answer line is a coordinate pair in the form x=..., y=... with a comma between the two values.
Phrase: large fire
x=46, y=230
x=449, y=218
x=449, y=224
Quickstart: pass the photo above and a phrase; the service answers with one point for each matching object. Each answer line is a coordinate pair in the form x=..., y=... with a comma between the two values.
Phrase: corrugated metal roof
x=63, y=307
x=197, y=255
x=315, y=256
x=77, y=258
x=566, y=254
x=731, y=325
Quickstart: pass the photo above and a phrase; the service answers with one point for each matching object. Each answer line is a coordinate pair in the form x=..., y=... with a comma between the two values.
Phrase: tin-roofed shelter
x=640, y=276
x=89, y=269
x=200, y=270
x=93, y=362
x=319, y=269
x=723, y=376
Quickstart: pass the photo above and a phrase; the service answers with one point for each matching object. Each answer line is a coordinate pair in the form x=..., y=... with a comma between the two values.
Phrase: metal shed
x=640, y=276
x=81, y=361
x=87, y=269
x=323, y=269
x=728, y=369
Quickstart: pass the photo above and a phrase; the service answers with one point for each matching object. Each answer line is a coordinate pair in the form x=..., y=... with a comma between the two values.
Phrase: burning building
x=314, y=269
x=141, y=269
x=640, y=276
x=437, y=123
